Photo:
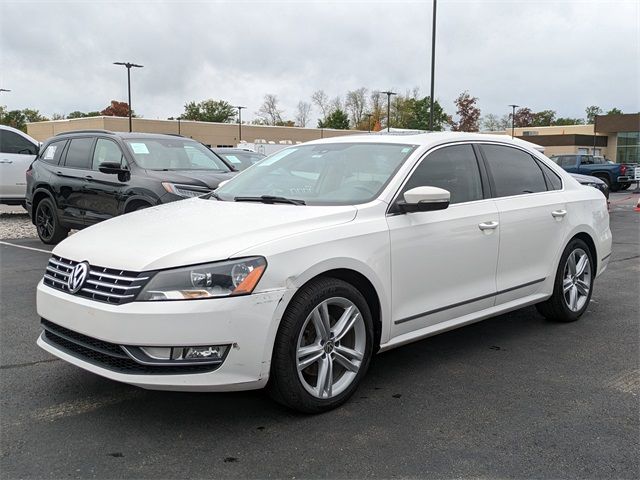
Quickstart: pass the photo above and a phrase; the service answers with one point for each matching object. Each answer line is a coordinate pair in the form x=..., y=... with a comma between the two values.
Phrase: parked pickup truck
x=616, y=175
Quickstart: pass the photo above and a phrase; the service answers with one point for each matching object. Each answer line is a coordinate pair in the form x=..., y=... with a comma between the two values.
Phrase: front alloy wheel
x=323, y=347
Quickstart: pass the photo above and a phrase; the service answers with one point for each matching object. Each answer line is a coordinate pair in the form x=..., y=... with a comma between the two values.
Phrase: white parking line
x=26, y=248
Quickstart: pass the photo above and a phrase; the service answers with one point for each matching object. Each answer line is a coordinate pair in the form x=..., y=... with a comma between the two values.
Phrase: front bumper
x=247, y=323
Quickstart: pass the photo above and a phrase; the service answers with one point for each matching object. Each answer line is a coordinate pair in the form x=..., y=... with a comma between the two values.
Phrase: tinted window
x=53, y=152
x=453, y=168
x=568, y=161
x=11, y=142
x=514, y=172
x=79, y=153
x=586, y=160
x=106, y=151
x=553, y=180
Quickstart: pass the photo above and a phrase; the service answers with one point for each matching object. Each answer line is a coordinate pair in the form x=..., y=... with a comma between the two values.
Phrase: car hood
x=201, y=178
x=193, y=231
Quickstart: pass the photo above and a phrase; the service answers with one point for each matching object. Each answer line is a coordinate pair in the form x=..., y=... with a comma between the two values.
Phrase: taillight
x=623, y=169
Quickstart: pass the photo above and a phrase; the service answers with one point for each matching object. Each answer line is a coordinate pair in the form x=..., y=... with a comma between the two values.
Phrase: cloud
x=564, y=55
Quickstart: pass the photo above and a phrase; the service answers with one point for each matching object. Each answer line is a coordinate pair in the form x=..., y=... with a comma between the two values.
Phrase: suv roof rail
x=97, y=130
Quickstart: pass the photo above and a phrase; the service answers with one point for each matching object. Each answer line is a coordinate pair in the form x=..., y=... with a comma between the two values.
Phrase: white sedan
x=294, y=273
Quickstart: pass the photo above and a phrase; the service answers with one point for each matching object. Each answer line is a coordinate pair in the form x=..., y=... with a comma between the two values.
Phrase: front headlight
x=212, y=280
x=187, y=191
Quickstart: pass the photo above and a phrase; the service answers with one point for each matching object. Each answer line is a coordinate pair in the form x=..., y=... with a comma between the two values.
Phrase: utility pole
x=368, y=115
x=513, y=118
x=240, y=122
x=388, y=93
x=433, y=65
x=129, y=66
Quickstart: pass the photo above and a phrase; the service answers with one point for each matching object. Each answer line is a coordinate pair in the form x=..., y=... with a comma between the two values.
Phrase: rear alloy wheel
x=323, y=347
x=47, y=223
x=573, y=284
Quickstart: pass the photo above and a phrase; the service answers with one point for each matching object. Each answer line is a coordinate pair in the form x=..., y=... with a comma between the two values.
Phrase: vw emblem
x=77, y=277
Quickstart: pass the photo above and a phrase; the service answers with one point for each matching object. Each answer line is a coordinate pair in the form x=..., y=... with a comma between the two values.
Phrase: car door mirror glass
x=425, y=199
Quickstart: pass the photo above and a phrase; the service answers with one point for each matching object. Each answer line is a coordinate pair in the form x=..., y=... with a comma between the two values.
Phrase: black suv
x=81, y=178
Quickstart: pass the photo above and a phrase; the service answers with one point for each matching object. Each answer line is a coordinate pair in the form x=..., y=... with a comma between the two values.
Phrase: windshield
x=324, y=174
x=239, y=159
x=174, y=154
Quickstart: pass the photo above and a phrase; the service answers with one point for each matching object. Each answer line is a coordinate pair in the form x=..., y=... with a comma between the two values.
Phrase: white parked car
x=295, y=272
x=17, y=151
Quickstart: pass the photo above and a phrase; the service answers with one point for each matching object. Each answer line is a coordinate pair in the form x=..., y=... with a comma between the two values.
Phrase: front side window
x=79, y=153
x=453, y=168
x=174, y=154
x=106, y=151
x=11, y=142
x=323, y=174
x=514, y=171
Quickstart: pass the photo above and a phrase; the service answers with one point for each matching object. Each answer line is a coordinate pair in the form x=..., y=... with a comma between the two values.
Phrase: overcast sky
x=56, y=56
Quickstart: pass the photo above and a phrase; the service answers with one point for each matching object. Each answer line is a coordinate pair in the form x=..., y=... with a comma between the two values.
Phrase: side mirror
x=425, y=199
x=113, y=168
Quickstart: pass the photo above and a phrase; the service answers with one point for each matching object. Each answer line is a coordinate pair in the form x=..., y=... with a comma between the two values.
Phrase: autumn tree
x=303, y=114
x=219, y=111
x=591, y=113
x=117, y=109
x=269, y=111
x=468, y=113
x=378, y=109
x=522, y=118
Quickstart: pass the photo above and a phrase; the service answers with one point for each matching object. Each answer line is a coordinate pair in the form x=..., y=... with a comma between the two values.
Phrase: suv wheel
x=573, y=285
x=47, y=223
x=323, y=347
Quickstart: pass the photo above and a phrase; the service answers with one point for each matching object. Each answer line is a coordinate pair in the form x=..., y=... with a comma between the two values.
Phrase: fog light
x=213, y=352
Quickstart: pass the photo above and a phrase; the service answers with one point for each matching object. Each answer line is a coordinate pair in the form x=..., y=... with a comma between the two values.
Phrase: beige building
x=213, y=134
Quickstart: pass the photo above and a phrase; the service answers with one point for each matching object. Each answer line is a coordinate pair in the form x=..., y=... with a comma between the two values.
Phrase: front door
x=16, y=154
x=443, y=263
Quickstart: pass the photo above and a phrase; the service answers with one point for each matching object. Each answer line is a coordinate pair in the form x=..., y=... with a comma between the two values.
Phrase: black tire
x=47, y=223
x=556, y=307
x=606, y=180
x=624, y=186
x=285, y=385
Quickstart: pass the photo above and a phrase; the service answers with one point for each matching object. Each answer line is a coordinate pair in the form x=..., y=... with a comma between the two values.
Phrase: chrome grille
x=102, y=284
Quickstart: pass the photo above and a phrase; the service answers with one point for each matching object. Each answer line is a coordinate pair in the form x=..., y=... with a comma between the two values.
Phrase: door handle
x=558, y=213
x=488, y=225
x=6, y=161
x=88, y=177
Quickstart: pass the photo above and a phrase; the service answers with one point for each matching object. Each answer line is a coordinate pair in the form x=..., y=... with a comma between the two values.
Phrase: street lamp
x=179, y=118
x=433, y=65
x=513, y=117
x=129, y=66
x=388, y=94
x=240, y=122
x=368, y=115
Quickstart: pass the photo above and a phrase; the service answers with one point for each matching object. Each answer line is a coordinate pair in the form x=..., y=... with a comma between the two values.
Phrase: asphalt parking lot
x=514, y=396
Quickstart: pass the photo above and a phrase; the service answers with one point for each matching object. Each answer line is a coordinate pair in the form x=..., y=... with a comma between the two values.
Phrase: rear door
x=533, y=219
x=73, y=175
x=105, y=192
x=16, y=154
x=443, y=263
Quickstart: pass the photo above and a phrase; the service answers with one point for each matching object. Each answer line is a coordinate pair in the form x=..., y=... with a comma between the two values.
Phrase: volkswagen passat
x=294, y=273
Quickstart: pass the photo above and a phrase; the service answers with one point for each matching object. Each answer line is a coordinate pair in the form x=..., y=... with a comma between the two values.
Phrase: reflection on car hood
x=586, y=178
x=201, y=178
x=193, y=231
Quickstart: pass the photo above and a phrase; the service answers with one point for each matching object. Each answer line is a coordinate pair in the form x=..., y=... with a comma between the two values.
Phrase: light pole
x=3, y=90
x=179, y=118
x=240, y=122
x=368, y=115
x=513, y=117
x=388, y=93
x=433, y=64
x=129, y=66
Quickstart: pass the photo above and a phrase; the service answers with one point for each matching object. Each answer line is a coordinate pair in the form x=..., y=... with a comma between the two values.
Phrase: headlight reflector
x=187, y=191
x=212, y=280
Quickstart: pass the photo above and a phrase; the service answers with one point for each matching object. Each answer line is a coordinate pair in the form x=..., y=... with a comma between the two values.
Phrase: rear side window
x=11, y=142
x=514, y=172
x=79, y=153
x=53, y=152
x=553, y=180
x=453, y=168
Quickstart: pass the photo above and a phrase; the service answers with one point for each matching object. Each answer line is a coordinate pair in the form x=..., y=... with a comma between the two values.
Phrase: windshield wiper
x=211, y=194
x=270, y=199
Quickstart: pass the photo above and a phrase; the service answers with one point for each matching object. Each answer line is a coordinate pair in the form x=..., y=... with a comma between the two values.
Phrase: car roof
x=235, y=150
x=19, y=132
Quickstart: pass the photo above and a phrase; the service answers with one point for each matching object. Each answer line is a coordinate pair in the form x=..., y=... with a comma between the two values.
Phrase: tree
x=522, y=118
x=491, y=122
x=117, y=109
x=614, y=111
x=33, y=116
x=303, y=113
x=209, y=110
x=591, y=113
x=468, y=113
x=269, y=111
x=58, y=116
x=356, y=104
x=336, y=119
x=378, y=109
x=15, y=119
x=568, y=121
x=321, y=100
x=545, y=118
